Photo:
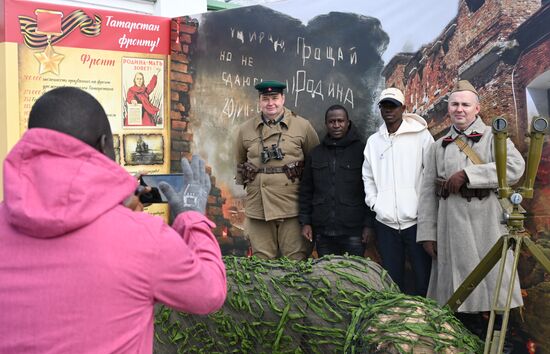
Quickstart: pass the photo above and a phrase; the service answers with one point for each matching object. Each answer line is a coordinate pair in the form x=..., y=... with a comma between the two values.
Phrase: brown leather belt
x=271, y=170
x=464, y=192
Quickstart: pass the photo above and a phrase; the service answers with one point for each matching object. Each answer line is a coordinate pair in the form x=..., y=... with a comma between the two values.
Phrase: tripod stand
x=513, y=217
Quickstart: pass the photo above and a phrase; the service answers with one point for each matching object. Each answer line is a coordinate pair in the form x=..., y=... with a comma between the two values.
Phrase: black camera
x=274, y=153
x=156, y=195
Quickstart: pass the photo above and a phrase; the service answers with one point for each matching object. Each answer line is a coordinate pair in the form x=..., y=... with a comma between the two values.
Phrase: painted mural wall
x=346, y=54
x=199, y=72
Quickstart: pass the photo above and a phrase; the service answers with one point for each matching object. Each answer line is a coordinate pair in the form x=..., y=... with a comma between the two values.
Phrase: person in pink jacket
x=80, y=272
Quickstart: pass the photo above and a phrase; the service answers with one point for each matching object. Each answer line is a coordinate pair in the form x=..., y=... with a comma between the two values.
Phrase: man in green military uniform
x=270, y=153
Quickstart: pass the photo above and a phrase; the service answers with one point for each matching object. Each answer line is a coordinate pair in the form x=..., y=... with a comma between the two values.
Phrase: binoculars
x=273, y=153
x=539, y=127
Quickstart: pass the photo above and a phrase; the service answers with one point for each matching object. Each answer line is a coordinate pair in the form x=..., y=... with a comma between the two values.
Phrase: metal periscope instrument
x=513, y=217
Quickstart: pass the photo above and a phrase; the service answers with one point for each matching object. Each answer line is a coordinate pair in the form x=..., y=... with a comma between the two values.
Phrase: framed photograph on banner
x=143, y=149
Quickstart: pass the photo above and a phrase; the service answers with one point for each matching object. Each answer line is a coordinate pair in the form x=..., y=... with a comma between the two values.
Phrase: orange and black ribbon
x=78, y=18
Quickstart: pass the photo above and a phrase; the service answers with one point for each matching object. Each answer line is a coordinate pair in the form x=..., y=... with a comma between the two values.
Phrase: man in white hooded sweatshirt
x=392, y=174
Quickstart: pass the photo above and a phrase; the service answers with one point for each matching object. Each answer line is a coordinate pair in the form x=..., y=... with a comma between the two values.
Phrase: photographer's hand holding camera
x=196, y=186
x=133, y=202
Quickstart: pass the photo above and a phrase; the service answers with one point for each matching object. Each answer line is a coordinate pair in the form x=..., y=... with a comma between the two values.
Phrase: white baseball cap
x=394, y=95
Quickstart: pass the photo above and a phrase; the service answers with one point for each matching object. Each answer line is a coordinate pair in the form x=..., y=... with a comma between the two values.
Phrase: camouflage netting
x=333, y=304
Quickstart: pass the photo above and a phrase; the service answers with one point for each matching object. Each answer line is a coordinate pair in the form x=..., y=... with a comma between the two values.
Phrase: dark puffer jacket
x=332, y=196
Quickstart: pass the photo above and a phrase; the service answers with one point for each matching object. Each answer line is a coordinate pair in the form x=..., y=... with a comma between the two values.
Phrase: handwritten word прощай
x=306, y=52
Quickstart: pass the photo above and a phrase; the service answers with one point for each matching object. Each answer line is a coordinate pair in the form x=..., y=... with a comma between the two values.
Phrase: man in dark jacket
x=332, y=204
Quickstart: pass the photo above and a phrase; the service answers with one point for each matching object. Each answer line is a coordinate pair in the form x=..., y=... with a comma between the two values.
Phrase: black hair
x=336, y=107
x=72, y=111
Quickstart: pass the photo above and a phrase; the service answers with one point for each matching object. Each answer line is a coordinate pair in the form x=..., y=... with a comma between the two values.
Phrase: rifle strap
x=467, y=149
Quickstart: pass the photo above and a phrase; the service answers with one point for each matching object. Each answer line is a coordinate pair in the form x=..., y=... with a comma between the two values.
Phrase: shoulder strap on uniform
x=467, y=149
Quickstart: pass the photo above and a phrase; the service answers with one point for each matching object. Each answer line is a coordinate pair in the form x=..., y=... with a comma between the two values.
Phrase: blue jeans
x=393, y=246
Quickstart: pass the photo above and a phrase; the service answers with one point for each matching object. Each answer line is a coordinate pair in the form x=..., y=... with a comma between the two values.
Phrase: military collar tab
x=474, y=136
x=273, y=122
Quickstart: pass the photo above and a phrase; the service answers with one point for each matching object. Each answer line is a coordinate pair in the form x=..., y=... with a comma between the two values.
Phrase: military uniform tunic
x=271, y=204
x=466, y=230
x=274, y=196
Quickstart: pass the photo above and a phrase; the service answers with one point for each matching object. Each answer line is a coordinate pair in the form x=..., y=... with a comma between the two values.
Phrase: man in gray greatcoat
x=459, y=214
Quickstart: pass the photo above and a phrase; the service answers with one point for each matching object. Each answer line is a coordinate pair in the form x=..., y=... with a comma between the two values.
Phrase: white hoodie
x=392, y=171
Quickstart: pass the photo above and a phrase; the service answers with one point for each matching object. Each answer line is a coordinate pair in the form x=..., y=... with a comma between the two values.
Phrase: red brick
x=179, y=86
x=176, y=134
x=185, y=38
x=188, y=29
x=182, y=68
x=183, y=21
x=185, y=48
x=215, y=211
x=175, y=165
x=175, y=115
x=174, y=96
x=175, y=155
x=180, y=146
x=177, y=106
x=177, y=124
x=181, y=58
x=181, y=77
x=176, y=47
x=174, y=24
x=182, y=135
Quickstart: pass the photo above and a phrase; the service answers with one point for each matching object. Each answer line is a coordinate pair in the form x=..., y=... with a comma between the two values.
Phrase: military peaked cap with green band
x=270, y=87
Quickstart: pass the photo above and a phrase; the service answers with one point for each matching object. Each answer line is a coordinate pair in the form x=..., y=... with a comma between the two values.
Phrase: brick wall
x=183, y=31
x=394, y=72
x=530, y=64
x=183, y=35
x=471, y=46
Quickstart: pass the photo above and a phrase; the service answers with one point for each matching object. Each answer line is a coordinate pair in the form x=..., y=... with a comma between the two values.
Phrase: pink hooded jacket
x=79, y=272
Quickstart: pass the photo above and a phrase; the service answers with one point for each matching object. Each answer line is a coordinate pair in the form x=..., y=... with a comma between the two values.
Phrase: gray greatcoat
x=466, y=230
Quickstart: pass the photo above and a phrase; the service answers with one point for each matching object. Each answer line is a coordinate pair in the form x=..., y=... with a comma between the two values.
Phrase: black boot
x=473, y=321
x=508, y=346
